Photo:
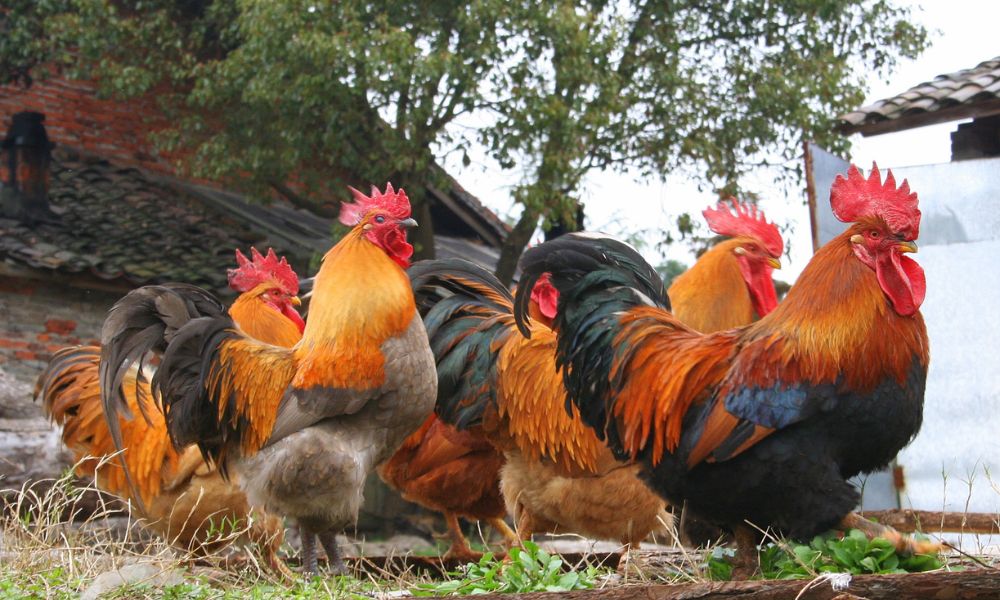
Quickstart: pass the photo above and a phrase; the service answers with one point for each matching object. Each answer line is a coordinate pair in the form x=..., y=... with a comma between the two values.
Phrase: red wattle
x=902, y=280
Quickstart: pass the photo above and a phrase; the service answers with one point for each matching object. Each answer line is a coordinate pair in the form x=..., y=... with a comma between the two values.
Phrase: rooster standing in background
x=180, y=497
x=456, y=473
x=303, y=426
x=731, y=283
x=496, y=383
x=767, y=422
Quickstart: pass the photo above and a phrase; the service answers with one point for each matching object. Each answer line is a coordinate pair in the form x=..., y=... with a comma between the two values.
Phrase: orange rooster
x=454, y=472
x=764, y=423
x=731, y=284
x=181, y=498
x=302, y=426
x=557, y=475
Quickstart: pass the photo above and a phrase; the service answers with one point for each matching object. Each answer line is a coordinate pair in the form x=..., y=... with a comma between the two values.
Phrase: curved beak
x=295, y=300
x=774, y=262
x=411, y=222
x=907, y=247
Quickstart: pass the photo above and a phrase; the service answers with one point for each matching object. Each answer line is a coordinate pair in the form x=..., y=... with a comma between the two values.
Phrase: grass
x=41, y=556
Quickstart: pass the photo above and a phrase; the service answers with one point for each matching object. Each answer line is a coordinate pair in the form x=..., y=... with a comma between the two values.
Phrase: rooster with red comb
x=302, y=426
x=731, y=283
x=762, y=424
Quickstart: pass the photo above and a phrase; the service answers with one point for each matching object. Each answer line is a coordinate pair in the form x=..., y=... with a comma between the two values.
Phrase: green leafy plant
x=829, y=553
x=529, y=570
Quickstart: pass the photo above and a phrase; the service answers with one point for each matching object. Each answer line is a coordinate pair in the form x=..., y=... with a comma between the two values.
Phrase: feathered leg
x=747, y=561
x=460, y=549
x=329, y=540
x=903, y=543
x=309, y=565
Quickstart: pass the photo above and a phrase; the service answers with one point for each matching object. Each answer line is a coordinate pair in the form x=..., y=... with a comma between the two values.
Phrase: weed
x=530, y=569
x=829, y=553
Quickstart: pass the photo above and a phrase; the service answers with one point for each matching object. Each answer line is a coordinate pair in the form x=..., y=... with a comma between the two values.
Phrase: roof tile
x=978, y=84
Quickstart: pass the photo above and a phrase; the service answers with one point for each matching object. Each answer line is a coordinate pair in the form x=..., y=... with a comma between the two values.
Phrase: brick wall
x=76, y=117
x=38, y=319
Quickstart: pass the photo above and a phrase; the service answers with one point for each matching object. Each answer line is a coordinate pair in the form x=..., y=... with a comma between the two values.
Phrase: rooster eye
x=873, y=233
x=379, y=219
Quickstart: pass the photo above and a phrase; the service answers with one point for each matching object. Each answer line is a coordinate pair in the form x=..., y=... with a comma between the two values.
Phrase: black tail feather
x=465, y=310
x=139, y=326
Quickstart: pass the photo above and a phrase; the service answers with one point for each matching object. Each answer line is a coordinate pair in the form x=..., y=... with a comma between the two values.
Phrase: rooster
x=765, y=423
x=456, y=473
x=557, y=475
x=301, y=426
x=181, y=497
x=731, y=284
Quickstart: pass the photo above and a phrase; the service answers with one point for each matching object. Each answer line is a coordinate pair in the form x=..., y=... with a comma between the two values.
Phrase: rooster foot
x=335, y=561
x=310, y=567
x=904, y=544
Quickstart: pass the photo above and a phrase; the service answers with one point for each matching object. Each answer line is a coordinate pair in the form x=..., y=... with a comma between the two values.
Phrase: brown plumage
x=180, y=497
x=452, y=472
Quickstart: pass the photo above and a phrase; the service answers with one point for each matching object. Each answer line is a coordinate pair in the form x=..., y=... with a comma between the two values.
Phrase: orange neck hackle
x=262, y=321
x=837, y=322
x=712, y=295
x=361, y=298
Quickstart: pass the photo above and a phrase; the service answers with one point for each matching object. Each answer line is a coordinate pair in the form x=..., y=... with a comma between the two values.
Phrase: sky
x=962, y=36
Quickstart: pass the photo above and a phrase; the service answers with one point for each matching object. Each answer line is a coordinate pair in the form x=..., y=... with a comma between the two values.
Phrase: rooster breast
x=316, y=475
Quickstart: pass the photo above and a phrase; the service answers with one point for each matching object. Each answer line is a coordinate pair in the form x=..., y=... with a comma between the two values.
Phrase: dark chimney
x=26, y=158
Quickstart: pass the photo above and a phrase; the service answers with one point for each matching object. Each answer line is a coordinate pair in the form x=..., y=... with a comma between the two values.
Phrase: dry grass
x=47, y=551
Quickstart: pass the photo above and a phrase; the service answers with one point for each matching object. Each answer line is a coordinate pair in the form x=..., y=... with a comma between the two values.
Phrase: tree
x=313, y=92
x=264, y=92
x=714, y=89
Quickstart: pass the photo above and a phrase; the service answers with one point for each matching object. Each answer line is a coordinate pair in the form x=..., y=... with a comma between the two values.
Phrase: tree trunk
x=514, y=245
x=422, y=237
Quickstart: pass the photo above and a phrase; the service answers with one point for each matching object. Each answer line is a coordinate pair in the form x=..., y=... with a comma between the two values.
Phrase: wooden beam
x=979, y=584
x=811, y=195
x=908, y=521
x=912, y=121
x=467, y=215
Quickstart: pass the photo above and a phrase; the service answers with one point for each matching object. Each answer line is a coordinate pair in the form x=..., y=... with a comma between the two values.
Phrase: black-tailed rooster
x=180, y=497
x=557, y=475
x=765, y=423
x=302, y=427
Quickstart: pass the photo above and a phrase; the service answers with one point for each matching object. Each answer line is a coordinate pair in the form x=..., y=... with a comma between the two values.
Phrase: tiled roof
x=968, y=93
x=124, y=225
x=132, y=227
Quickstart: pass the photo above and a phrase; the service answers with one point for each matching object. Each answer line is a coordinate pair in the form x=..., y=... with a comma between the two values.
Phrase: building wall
x=38, y=319
x=76, y=117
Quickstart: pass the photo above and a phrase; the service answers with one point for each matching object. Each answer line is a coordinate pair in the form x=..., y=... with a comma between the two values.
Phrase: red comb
x=748, y=221
x=396, y=204
x=251, y=273
x=854, y=197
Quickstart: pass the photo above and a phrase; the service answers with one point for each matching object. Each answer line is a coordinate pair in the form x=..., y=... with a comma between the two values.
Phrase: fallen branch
x=960, y=585
x=922, y=520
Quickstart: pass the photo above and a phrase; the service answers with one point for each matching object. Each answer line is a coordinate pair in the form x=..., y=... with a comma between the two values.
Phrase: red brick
x=8, y=343
x=43, y=337
x=25, y=355
x=60, y=326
